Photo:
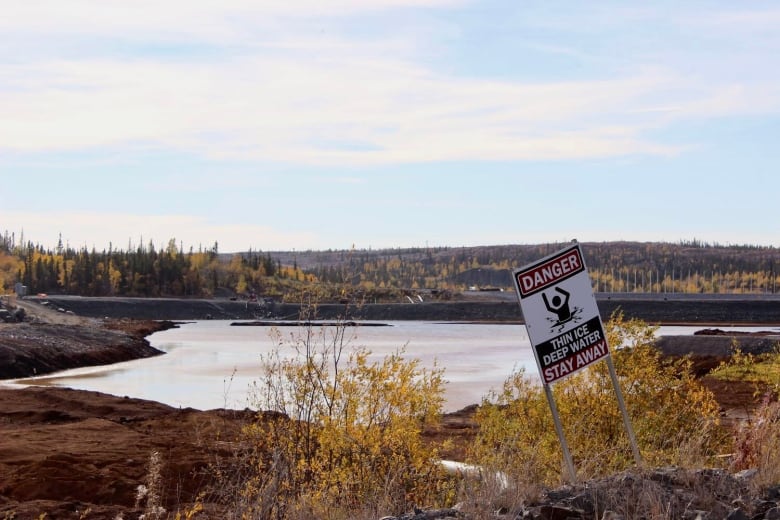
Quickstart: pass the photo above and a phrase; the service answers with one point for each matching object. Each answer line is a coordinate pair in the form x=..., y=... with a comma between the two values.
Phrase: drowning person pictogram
x=560, y=307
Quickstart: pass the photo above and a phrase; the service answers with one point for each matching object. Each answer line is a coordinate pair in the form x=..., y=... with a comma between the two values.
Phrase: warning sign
x=561, y=314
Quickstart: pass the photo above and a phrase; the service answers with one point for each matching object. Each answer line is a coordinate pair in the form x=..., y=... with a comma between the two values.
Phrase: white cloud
x=221, y=21
x=273, y=109
x=294, y=97
x=737, y=21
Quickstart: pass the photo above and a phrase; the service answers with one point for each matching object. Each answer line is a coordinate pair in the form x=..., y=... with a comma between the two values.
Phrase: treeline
x=143, y=271
x=386, y=274
x=653, y=267
x=691, y=267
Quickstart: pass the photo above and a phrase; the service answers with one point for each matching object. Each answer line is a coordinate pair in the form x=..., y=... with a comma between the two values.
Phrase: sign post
x=565, y=328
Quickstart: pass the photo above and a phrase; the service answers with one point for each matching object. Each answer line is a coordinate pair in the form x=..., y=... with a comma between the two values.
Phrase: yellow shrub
x=346, y=441
x=674, y=417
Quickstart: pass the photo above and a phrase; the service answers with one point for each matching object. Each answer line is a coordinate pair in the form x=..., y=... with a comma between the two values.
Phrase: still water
x=211, y=364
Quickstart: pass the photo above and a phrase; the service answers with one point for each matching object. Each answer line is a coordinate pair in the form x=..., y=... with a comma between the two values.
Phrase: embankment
x=706, y=309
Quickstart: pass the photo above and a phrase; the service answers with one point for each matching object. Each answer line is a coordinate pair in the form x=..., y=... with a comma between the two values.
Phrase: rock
x=737, y=514
x=669, y=475
x=584, y=502
x=42, y=348
x=432, y=514
x=772, y=514
x=554, y=512
x=746, y=474
x=772, y=493
x=560, y=493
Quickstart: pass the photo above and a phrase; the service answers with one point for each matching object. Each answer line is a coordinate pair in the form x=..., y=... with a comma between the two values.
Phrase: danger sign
x=561, y=314
x=565, y=329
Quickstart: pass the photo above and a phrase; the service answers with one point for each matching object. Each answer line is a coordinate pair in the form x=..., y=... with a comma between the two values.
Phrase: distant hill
x=393, y=274
x=615, y=266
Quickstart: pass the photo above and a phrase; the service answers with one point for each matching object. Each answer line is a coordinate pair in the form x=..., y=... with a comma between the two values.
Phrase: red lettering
x=549, y=272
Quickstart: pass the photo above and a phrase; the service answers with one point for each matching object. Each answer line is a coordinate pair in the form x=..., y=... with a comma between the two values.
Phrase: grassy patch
x=760, y=368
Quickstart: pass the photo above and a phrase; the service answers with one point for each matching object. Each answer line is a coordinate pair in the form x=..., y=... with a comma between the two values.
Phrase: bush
x=344, y=441
x=676, y=420
x=762, y=369
x=757, y=440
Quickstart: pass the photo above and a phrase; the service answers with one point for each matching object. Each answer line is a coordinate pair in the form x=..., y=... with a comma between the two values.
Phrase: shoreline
x=70, y=451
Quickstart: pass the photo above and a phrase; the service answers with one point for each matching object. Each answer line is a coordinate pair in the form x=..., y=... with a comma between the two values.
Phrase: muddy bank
x=30, y=349
x=716, y=345
x=78, y=454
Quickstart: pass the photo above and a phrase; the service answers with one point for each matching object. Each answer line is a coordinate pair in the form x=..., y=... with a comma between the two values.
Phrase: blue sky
x=388, y=123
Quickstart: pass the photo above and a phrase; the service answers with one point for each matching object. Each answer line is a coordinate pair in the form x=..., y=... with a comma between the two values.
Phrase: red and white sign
x=540, y=276
x=561, y=314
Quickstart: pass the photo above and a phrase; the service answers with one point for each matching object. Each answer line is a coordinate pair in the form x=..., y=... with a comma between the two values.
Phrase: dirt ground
x=77, y=454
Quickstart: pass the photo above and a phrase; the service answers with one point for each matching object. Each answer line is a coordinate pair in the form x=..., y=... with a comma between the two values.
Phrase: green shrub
x=762, y=369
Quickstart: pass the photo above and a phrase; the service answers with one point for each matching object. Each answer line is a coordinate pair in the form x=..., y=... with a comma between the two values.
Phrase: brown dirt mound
x=65, y=451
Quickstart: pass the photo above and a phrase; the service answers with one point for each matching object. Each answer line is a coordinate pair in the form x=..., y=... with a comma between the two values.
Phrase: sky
x=315, y=124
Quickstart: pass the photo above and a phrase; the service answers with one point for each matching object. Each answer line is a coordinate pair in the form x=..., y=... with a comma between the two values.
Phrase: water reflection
x=210, y=364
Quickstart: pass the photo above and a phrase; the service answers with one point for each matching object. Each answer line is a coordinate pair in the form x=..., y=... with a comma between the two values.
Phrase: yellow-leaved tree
x=10, y=266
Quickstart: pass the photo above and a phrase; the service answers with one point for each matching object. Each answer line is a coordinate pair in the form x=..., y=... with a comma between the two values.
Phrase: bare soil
x=76, y=454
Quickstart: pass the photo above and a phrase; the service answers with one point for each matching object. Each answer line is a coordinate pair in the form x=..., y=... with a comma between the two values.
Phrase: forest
x=378, y=275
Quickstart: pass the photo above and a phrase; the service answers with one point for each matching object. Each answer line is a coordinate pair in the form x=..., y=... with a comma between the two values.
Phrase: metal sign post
x=624, y=412
x=565, y=328
x=561, y=437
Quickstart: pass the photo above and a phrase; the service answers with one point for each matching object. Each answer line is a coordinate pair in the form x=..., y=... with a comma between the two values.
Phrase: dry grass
x=152, y=491
x=757, y=444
